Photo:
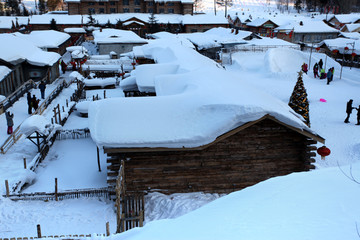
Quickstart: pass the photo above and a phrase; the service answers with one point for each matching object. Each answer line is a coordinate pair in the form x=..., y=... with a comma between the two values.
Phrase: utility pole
x=215, y=7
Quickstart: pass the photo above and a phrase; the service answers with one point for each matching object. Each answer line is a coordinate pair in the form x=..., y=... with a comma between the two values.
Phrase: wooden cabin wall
x=264, y=150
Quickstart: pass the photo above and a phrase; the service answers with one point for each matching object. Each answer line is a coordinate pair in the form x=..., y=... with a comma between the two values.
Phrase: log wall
x=261, y=151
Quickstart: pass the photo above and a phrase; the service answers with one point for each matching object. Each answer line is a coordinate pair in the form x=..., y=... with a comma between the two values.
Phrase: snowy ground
x=321, y=204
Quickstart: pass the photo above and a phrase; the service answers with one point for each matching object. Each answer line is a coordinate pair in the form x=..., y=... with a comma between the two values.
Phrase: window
x=150, y=3
x=150, y=10
x=170, y=10
x=112, y=3
x=125, y=2
x=91, y=10
x=137, y=2
x=126, y=10
x=137, y=10
x=101, y=3
x=91, y=3
x=170, y=4
x=101, y=10
x=112, y=10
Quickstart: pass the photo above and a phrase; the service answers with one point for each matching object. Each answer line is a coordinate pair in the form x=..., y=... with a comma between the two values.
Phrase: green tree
x=153, y=24
x=118, y=24
x=13, y=6
x=297, y=5
x=41, y=6
x=299, y=101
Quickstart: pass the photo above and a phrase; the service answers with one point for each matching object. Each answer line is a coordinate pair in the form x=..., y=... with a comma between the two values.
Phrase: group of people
x=318, y=68
x=349, y=109
x=33, y=103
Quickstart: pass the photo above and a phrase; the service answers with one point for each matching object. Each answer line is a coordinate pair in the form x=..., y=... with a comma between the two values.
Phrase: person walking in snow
x=320, y=63
x=42, y=87
x=329, y=76
x=316, y=70
x=10, y=122
x=35, y=102
x=29, y=102
x=349, y=109
x=358, y=115
x=304, y=67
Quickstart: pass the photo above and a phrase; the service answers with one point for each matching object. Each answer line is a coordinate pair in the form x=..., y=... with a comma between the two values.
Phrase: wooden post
x=55, y=115
x=93, y=97
x=24, y=163
x=141, y=218
x=58, y=107
x=67, y=103
x=107, y=229
x=104, y=94
x=63, y=108
x=38, y=230
x=52, y=120
x=7, y=188
x=98, y=158
x=56, y=190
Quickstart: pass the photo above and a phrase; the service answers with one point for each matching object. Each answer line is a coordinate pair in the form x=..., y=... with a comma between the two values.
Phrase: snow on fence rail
x=73, y=134
x=68, y=194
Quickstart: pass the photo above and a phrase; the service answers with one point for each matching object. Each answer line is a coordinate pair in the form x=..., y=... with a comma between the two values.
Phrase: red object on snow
x=346, y=48
x=133, y=63
x=323, y=152
x=317, y=49
x=322, y=100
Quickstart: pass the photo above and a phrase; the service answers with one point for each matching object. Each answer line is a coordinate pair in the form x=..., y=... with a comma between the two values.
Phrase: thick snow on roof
x=108, y=35
x=179, y=38
x=308, y=26
x=215, y=37
x=4, y=71
x=45, y=38
x=257, y=22
x=352, y=27
x=6, y=21
x=341, y=43
x=14, y=49
x=37, y=123
x=347, y=18
x=74, y=30
x=351, y=35
x=192, y=107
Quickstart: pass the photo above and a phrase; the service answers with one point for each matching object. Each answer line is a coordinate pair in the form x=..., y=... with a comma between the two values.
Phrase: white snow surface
x=100, y=82
x=108, y=35
x=341, y=43
x=4, y=71
x=45, y=38
x=308, y=26
x=37, y=123
x=74, y=30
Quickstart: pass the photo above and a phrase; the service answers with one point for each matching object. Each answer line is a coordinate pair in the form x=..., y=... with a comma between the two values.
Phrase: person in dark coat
x=349, y=109
x=35, y=102
x=358, y=115
x=304, y=67
x=29, y=102
x=42, y=87
x=329, y=76
x=320, y=63
x=10, y=122
x=316, y=70
x=63, y=66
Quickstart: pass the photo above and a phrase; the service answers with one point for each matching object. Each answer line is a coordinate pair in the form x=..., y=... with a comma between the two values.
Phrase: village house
x=130, y=6
x=26, y=61
x=351, y=27
x=9, y=24
x=239, y=21
x=306, y=31
x=262, y=26
x=197, y=136
x=339, y=20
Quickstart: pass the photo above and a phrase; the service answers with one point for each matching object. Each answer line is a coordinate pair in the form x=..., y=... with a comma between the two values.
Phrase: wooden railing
x=13, y=138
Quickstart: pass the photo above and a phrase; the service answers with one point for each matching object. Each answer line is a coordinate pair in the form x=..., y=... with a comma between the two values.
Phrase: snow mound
x=284, y=60
x=37, y=123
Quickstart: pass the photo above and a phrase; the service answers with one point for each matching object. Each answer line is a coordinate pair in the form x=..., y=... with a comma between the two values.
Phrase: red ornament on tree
x=353, y=54
x=323, y=152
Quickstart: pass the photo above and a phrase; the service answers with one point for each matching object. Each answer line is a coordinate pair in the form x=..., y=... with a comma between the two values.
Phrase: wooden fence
x=73, y=134
x=129, y=208
x=12, y=98
x=13, y=138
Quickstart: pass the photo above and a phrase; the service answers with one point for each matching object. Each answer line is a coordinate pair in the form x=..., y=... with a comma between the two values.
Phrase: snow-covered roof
x=6, y=21
x=74, y=30
x=194, y=105
x=352, y=27
x=37, y=123
x=45, y=38
x=14, y=49
x=182, y=1
x=116, y=36
x=347, y=18
x=179, y=38
x=258, y=22
x=4, y=71
x=341, y=43
x=130, y=22
x=351, y=35
x=308, y=26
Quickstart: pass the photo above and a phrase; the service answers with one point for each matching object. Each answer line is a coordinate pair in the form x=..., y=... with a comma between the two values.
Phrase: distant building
x=264, y=27
x=129, y=6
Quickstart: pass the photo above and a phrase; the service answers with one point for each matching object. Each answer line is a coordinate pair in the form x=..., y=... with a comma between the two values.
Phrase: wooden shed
x=249, y=154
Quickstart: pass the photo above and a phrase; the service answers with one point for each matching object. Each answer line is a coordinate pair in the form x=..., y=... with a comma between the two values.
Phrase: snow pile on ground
x=312, y=205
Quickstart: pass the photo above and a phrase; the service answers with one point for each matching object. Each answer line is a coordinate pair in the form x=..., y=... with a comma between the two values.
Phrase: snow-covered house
x=354, y=27
x=263, y=26
x=118, y=41
x=306, y=31
x=206, y=129
x=342, y=48
x=339, y=20
x=10, y=24
x=7, y=83
x=48, y=40
x=27, y=60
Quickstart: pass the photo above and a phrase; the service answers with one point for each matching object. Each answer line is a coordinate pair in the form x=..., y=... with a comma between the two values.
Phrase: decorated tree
x=298, y=100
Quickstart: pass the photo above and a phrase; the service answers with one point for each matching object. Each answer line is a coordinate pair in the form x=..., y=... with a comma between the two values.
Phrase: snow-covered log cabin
x=205, y=130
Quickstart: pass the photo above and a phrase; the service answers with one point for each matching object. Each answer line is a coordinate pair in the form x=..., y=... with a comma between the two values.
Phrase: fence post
x=67, y=103
x=24, y=163
x=104, y=94
x=55, y=115
x=38, y=231
x=98, y=158
x=107, y=229
x=7, y=188
x=58, y=107
x=56, y=190
x=63, y=108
